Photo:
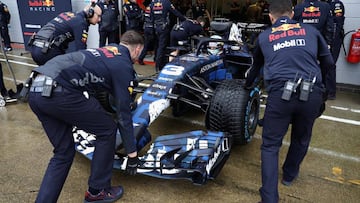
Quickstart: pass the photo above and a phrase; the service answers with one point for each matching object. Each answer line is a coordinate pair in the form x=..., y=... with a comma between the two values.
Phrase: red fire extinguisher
x=354, y=49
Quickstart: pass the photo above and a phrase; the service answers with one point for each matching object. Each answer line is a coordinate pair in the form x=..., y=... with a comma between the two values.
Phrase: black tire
x=234, y=110
x=107, y=101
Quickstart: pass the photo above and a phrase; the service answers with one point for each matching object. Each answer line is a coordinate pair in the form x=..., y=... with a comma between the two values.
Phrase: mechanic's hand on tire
x=132, y=164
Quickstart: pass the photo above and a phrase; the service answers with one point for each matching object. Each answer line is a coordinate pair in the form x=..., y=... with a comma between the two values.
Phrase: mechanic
x=160, y=11
x=57, y=98
x=4, y=22
x=149, y=33
x=338, y=12
x=294, y=82
x=234, y=11
x=254, y=12
x=133, y=15
x=183, y=31
x=318, y=14
x=53, y=38
x=109, y=26
x=199, y=9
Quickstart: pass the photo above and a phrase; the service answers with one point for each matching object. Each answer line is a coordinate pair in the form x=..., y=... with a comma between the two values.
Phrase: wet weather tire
x=234, y=110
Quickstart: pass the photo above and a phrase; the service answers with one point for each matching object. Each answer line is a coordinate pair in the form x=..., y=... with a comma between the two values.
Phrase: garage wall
x=346, y=73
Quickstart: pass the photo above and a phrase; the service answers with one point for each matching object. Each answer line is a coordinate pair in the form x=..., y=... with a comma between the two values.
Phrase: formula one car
x=202, y=79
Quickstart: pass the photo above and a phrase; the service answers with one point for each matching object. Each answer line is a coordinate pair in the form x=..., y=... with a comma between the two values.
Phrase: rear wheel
x=234, y=110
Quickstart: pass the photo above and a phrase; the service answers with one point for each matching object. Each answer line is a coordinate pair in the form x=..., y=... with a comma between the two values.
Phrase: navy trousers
x=110, y=36
x=5, y=35
x=149, y=42
x=58, y=114
x=41, y=58
x=3, y=90
x=277, y=118
x=163, y=37
x=331, y=75
x=176, y=36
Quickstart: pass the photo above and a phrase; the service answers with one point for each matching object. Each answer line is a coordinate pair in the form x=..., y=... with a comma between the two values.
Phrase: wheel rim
x=252, y=120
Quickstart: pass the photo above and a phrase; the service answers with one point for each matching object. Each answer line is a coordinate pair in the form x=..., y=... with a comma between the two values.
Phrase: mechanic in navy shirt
x=160, y=11
x=289, y=53
x=184, y=30
x=338, y=12
x=4, y=22
x=318, y=14
x=109, y=69
x=199, y=9
x=133, y=15
x=149, y=33
x=53, y=38
x=109, y=25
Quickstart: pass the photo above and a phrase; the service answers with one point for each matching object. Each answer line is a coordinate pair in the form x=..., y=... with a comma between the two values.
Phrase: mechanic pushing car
x=289, y=52
x=53, y=38
x=57, y=96
x=160, y=11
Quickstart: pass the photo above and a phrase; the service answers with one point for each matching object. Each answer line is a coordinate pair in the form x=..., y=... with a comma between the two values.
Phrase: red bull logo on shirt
x=110, y=51
x=285, y=27
x=287, y=30
x=311, y=11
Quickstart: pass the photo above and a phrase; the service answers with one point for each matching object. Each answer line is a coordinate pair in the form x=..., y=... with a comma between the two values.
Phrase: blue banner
x=36, y=13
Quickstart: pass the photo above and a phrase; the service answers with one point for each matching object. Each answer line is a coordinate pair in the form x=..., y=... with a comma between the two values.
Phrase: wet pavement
x=329, y=173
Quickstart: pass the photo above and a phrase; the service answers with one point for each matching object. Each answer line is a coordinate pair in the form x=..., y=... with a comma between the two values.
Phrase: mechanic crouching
x=183, y=31
x=58, y=97
x=54, y=37
x=289, y=52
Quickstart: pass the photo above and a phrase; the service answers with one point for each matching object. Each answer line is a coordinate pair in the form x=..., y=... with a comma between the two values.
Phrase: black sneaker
x=110, y=195
x=9, y=99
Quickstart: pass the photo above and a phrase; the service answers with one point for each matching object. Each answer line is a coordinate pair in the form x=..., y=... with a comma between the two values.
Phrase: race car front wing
x=196, y=155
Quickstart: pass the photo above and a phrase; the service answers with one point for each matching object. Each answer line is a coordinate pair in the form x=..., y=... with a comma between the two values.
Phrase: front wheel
x=234, y=110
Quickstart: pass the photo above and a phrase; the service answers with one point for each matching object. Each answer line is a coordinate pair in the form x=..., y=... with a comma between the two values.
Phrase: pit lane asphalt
x=329, y=173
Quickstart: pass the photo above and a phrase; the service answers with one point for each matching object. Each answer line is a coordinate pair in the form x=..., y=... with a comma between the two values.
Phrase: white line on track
x=256, y=136
x=341, y=120
x=16, y=56
x=20, y=63
x=331, y=118
x=11, y=79
x=345, y=109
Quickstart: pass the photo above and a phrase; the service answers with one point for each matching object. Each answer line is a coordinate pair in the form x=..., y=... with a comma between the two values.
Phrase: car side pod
x=197, y=155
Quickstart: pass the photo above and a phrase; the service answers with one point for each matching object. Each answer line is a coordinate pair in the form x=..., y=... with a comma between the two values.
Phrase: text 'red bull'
x=300, y=32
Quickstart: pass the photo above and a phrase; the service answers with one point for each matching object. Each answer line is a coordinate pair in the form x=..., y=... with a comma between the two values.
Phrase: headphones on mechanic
x=90, y=12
